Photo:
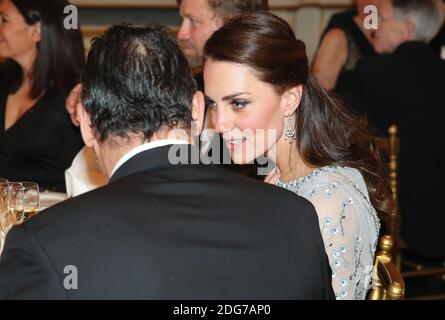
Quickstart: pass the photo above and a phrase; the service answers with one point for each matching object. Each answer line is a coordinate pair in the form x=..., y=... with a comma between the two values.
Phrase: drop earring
x=290, y=133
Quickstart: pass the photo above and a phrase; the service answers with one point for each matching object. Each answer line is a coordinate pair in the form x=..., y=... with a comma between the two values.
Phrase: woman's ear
x=198, y=112
x=36, y=32
x=292, y=99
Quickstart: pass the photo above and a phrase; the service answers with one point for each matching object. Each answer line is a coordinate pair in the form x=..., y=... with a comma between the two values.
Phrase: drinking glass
x=31, y=199
x=16, y=201
x=4, y=207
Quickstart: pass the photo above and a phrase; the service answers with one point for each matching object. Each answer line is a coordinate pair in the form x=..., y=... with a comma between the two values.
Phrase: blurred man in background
x=203, y=17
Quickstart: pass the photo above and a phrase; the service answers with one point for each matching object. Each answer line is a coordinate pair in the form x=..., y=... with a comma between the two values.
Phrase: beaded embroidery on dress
x=348, y=222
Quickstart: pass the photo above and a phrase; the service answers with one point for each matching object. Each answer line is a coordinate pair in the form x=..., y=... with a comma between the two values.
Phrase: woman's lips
x=233, y=143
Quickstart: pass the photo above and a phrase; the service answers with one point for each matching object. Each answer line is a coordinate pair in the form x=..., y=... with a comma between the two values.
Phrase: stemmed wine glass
x=16, y=204
x=31, y=199
x=3, y=210
x=19, y=201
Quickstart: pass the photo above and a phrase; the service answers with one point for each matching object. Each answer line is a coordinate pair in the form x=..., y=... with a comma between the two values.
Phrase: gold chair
x=412, y=268
x=387, y=282
x=390, y=147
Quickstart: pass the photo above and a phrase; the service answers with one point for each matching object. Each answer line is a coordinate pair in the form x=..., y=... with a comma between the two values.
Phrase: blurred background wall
x=307, y=17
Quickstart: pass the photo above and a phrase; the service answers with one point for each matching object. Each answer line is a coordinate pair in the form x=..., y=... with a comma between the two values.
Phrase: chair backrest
x=390, y=146
x=387, y=282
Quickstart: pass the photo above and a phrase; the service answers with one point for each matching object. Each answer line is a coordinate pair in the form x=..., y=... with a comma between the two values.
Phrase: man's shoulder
x=267, y=195
x=85, y=201
x=211, y=185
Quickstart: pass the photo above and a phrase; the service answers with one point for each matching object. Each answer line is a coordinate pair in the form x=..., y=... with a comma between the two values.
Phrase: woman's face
x=17, y=39
x=247, y=112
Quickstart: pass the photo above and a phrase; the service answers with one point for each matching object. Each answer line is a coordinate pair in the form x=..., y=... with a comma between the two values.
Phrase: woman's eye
x=239, y=104
x=210, y=103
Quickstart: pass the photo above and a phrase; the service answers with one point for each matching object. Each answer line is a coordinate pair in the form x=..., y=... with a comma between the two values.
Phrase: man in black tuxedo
x=405, y=85
x=159, y=229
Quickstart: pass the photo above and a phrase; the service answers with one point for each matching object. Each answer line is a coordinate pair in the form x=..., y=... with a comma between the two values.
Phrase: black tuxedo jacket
x=163, y=231
x=407, y=88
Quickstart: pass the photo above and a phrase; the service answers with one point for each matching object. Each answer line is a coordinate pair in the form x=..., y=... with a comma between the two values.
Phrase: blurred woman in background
x=344, y=41
x=43, y=63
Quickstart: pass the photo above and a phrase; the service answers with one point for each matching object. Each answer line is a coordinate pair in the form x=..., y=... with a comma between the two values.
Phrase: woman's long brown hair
x=328, y=133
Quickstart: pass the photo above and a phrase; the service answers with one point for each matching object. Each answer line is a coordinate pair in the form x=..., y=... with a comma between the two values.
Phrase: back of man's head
x=424, y=15
x=136, y=82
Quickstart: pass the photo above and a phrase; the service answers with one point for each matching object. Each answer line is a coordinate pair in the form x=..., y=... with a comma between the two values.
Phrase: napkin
x=84, y=174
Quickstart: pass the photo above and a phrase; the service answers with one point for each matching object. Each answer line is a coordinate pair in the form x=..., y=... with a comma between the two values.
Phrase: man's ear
x=87, y=132
x=292, y=99
x=198, y=112
x=409, y=29
x=36, y=32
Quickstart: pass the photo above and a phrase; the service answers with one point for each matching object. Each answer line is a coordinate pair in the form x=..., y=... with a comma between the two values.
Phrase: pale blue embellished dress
x=348, y=222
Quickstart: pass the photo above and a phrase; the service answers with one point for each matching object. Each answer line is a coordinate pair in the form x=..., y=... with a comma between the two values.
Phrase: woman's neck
x=26, y=62
x=289, y=162
x=24, y=90
x=26, y=84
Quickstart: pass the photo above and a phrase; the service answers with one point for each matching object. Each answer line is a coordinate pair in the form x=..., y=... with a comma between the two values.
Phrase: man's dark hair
x=137, y=81
x=226, y=9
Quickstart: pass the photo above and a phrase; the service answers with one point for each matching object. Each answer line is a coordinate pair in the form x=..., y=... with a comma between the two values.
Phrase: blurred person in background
x=201, y=18
x=43, y=63
x=404, y=85
x=344, y=42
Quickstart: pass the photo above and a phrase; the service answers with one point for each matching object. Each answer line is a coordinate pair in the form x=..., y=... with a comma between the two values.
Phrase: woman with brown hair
x=263, y=100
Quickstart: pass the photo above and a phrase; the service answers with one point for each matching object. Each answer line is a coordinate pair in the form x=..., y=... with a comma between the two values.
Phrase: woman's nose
x=222, y=121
